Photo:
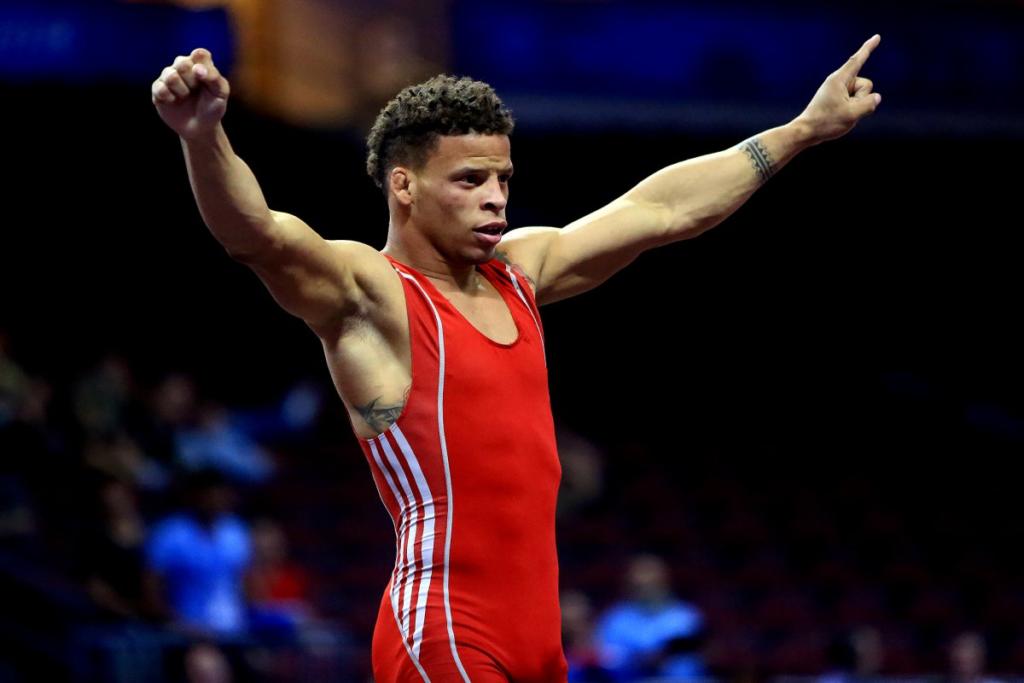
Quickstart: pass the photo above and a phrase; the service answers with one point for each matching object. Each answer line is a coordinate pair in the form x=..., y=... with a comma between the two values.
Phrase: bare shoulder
x=370, y=269
x=323, y=282
x=525, y=250
x=373, y=277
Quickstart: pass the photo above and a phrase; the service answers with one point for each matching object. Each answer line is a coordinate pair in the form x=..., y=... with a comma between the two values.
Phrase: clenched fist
x=191, y=96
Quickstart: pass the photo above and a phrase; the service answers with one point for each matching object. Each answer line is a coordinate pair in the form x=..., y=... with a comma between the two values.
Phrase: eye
x=505, y=178
x=472, y=179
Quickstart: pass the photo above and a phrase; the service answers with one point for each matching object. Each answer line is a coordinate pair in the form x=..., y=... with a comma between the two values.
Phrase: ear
x=402, y=184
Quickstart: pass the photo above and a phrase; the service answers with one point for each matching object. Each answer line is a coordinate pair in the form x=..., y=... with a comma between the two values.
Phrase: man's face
x=459, y=195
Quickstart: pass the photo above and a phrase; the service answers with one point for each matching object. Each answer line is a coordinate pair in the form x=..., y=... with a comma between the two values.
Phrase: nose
x=495, y=195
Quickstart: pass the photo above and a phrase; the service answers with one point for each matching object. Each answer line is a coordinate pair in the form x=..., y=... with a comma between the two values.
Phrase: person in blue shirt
x=196, y=560
x=651, y=632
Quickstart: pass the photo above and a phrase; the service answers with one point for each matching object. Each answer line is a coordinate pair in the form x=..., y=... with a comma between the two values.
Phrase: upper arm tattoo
x=381, y=417
x=759, y=158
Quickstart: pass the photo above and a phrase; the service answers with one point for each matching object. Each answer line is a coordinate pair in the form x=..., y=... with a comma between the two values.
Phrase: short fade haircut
x=407, y=128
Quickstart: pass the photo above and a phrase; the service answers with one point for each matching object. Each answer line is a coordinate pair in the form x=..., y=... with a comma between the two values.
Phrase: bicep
x=317, y=280
x=590, y=250
x=525, y=250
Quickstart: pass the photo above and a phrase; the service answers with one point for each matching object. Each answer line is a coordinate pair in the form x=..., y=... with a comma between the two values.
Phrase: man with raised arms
x=435, y=342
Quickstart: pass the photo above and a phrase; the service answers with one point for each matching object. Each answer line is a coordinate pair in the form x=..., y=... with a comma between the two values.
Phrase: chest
x=485, y=311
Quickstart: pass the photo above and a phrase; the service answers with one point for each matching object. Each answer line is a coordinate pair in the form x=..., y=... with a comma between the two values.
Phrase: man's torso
x=369, y=358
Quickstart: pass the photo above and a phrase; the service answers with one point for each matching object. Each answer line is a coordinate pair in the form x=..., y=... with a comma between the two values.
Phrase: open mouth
x=495, y=228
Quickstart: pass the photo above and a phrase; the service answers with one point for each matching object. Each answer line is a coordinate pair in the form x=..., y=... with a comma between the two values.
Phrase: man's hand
x=843, y=99
x=191, y=96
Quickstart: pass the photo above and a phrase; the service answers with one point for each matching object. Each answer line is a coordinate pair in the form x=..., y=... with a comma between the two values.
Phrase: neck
x=409, y=246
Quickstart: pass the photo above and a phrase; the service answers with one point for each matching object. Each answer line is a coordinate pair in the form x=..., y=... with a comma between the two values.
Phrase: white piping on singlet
x=409, y=523
x=529, y=309
x=426, y=539
x=447, y=470
x=398, y=542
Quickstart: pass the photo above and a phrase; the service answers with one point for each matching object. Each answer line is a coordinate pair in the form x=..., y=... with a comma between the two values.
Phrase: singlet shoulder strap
x=508, y=276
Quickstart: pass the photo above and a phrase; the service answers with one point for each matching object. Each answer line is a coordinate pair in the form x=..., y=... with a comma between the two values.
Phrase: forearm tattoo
x=381, y=417
x=759, y=158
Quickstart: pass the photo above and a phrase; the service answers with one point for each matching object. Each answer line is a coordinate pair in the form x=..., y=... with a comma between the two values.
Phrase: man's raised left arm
x=685, y=199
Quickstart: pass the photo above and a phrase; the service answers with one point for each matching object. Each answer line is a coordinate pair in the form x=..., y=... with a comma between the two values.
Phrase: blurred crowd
x=147, y=514
x=132, y=493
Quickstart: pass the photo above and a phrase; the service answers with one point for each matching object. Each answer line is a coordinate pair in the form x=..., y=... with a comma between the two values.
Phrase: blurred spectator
x=106, y=412
x=651, y=632
x=301, y=405
x=857, y=657
x=209, y=435
x=14, y=383
x=216, y=442
x=196, y=560
x=172, y=407
x=204, y=663
x=582, y=472
x=17, y=516
x=967, y=653
x=281, y=612
x=581, y=652
x=35, y=464
x=277, y=588
x=120, y=455
x=113, y=552
x=102, y=397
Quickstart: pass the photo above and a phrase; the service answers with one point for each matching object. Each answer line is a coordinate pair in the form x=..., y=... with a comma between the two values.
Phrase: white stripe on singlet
x=426, y=537
x=398, y=545
x=447, y=469
x=410, y=518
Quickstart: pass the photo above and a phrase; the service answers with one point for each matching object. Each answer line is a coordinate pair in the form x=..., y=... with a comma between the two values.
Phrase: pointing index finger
x=201, y=55
x=857, y=60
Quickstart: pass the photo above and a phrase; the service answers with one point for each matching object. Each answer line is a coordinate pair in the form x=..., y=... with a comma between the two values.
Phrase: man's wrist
x=803, y=133
x=207, y=145
x=210, y=137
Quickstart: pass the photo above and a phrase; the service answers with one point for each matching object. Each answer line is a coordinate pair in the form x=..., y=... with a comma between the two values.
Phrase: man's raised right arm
x=317, y=280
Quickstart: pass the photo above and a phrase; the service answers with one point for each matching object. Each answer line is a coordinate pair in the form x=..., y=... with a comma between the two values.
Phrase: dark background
x=870, y=267
x=851, y=336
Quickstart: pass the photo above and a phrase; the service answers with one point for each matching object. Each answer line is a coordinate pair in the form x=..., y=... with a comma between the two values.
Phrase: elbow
x=686, y=223
x=673, y=226
x=654, y=221
x=688, y=229
x=244, y=254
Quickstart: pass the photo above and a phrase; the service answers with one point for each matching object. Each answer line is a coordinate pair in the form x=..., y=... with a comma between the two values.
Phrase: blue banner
x=104, y=41
x=630, y=60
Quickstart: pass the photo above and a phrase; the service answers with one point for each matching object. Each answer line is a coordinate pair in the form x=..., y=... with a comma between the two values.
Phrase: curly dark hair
x=407, y=128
